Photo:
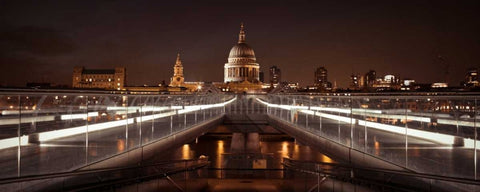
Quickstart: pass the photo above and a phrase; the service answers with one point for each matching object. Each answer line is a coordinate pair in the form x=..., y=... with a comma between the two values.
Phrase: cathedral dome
x=241, y=50
x=241, y=66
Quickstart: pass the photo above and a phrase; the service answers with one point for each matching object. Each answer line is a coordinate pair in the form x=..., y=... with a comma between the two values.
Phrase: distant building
x=408, y=82
x=370, y=79
x=321, y=79
x=275, y=75
x=388, y=82
x=471, y=78
x=178, y=83
x=242, y=64
x=439, y=85
x=177, y=79
x=408, y=85
x=110, y=79
x=261, y=76
x=293, y=86
x=354, y=82
x=241, y=72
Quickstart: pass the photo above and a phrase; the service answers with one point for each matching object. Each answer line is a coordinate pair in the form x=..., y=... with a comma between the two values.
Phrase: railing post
x=281, y=110
x=320, y=120
x=140, y=127
x=406, y=132
x=366, y=131
x=19, y=135
x=153, y=120
x=86, y=132
x=126, y=119
x=306, y=120
x=171, y=124
x=352, y=125
x=475, y=140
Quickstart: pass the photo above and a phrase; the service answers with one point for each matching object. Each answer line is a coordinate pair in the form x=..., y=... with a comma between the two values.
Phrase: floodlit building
x=109, y=79
x=177, y=82
x=439, y=85
x=388, y=82
x=241, y=64
x=242, y=72
x=177, y=79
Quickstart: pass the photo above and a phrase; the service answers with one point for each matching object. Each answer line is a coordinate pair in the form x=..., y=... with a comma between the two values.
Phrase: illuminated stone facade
x=177, y=79
x=110, y=79
x=241, y=64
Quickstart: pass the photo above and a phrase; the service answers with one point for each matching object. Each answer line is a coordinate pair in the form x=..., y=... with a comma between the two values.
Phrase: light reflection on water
x=217, y=149
x=284, y=151
x=186, y=152
x=220, y=150
x=120, y=145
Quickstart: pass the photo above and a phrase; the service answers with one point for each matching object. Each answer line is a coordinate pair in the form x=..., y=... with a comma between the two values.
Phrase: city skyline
x=419, y=40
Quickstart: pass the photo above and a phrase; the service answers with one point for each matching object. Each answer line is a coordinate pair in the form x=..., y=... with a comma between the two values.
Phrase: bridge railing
x=48, y=132
x=172, y=175
x=321, y=175
x=427, y=133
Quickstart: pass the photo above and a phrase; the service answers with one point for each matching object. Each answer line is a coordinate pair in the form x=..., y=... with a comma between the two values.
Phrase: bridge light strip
x=378, y=113
x=328, y=109
x=119, y=111
x=135, y=109
x=15, y=121
x=78, y=116
x=330, y=116
x=50, y=135
x=431, y=136
x=436, y=137
x=13, y=142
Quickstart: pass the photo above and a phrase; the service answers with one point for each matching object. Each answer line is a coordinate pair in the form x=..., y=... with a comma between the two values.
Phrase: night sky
x=41, y=41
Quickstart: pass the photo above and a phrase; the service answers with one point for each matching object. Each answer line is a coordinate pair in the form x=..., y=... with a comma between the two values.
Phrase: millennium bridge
x=118, y=141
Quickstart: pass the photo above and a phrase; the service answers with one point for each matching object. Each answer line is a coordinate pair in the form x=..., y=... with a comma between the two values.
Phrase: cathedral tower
x=177, y=80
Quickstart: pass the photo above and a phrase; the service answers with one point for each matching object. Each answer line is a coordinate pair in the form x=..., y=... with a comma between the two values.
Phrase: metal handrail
x=91, y=171
x=287, y=163
x=145, y=177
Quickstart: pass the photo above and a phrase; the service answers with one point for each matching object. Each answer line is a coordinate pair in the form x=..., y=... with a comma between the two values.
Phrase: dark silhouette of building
x=275, y=75
x=471, y=78
x=370, y=79
x=321, y=79
x=261, y=76
x=355, y=82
